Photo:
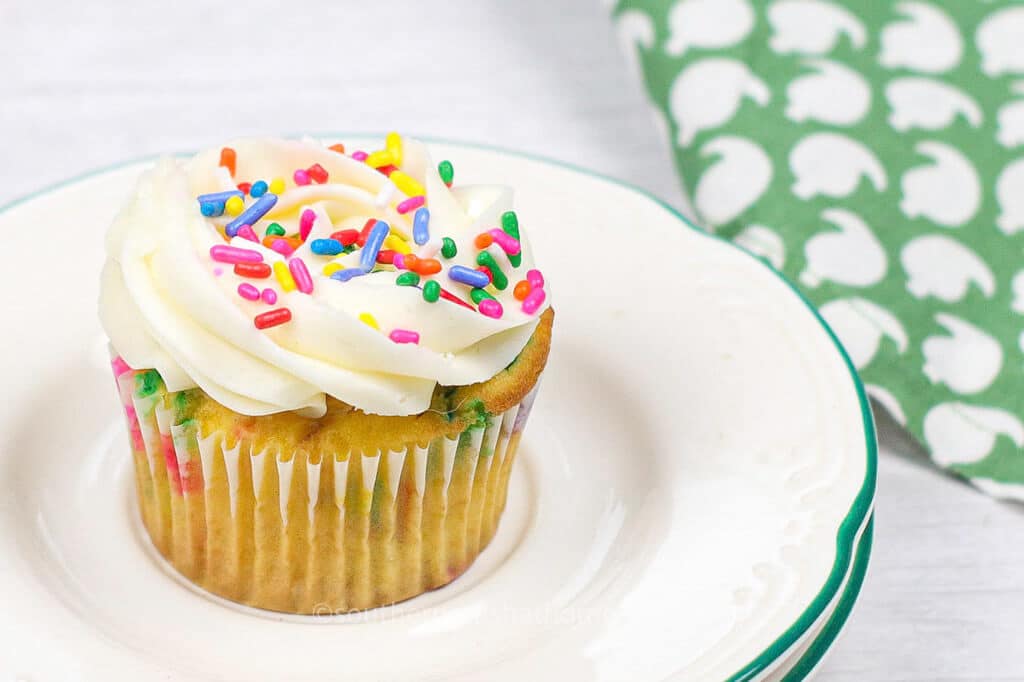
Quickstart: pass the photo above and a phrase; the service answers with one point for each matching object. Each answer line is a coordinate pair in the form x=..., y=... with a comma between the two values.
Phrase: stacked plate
x=694, y=499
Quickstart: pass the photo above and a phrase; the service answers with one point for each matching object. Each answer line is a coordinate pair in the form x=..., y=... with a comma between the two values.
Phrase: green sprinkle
x=446, y=171
x=147, y=383
x=431, y=291
x=275, y=230
x=448, y=248
x=486, y=259
x=408, y=279
x=510, y=224
x=478, y=295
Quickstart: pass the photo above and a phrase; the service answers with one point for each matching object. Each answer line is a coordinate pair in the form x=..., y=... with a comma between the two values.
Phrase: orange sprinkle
x=410, y=261
x=522, y=290
x=340, y=148
x=228, y=159
x=424, y=266
x=483, y=240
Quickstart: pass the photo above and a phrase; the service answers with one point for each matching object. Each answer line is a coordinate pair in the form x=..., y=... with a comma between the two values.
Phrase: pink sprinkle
x=282, y=247
x=306, y=223
x=359, y=155
x=533, y=301
x=301, y=177
x=300, y=273
x=248, y=292
x=411, y=204
x=269, y=296
x=119, y=366
x=245, y=231
x=223, y=253
x=404, y=336
x=535, y=279
x=491, y=308
x=399, y=261
x=508, y=243
x=217, y=272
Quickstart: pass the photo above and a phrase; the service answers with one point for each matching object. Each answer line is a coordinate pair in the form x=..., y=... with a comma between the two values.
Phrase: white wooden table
x=84, y=85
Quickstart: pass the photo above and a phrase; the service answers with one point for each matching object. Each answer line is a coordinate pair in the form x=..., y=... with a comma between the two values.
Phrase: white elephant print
x=999, y=41
x=812, y=27
x=852, y=255
x=888, y=401
x=1011, y=120
x=968, y=360
x=832, y=165
x=734, y=182
x=707, y=24
x=861, y=325
x=928, y=104
x=1010, y=195
x=708, y=94
x=958, y=433
x=944, y=268
x=946, y=192
x=833, y=94
x=927, y=40
x=764, y=242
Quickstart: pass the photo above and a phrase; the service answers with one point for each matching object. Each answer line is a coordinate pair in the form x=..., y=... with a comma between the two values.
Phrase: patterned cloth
x=874, y=153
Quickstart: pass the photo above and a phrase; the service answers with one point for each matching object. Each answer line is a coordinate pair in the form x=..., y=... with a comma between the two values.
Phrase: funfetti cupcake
x=326, y=358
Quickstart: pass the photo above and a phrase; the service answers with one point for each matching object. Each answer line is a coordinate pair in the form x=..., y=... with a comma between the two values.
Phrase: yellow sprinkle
x=332, y=268
x=396, y=243
x=368, y=319
x=234, y=205
x=409, y=187
x=393, y=144
x=284, y=276
x=276, y=186
x=379, y=159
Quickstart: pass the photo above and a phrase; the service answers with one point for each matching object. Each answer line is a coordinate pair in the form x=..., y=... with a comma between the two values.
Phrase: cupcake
x=326, y=358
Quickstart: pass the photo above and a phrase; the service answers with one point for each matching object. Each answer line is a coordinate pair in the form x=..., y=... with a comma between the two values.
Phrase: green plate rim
x=846, y=540
x=828, y=634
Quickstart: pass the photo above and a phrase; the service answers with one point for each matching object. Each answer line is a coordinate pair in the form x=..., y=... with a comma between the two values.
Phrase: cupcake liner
x=324, y=533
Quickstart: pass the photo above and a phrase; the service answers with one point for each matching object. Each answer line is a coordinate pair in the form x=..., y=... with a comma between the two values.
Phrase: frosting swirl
x=167, y=303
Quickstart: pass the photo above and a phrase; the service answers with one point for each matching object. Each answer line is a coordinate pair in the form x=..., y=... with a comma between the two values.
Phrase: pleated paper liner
x=316, y=533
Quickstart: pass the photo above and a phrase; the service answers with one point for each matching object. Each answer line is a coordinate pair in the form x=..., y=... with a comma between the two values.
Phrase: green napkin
x=874, y=153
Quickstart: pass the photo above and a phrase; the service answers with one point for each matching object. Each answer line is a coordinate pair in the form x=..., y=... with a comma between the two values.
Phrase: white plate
x=697, y=477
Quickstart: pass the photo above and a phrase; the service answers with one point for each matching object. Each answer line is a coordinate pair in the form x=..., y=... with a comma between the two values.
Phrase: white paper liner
x=321, y=533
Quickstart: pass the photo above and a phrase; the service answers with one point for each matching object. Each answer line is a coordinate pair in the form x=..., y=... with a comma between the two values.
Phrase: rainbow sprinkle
x=272, y=318
x=222, y=253
x=381, y=246
x=421, y=226
x=253, y=213
x=404, y=336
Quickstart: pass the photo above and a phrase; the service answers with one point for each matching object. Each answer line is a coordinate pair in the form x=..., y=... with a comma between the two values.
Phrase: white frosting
x=164, y=307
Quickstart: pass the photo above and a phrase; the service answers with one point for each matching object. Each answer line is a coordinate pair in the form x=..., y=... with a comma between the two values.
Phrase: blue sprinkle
x=326, y=247
x=421, y=226
x=220, y=197
x=464, y=275
x=258, y=189
x=211, y=209
x=253, y=213
x=375, y=240
x=347, y=274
